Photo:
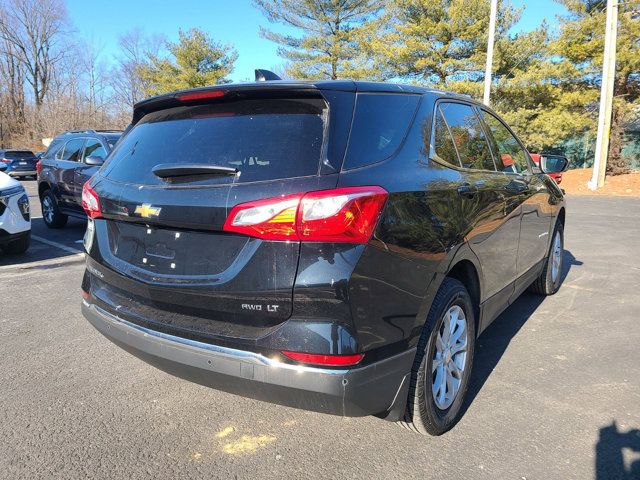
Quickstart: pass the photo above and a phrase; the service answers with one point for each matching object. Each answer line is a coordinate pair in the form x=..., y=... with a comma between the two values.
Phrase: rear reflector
x=90, y=201
x=85, y=295
x=326, y=360
x=341, y=215
x=186, y=97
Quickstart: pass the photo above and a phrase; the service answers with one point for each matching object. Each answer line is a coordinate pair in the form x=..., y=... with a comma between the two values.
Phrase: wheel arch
x=43, y=187
x=561, y=216
x=465, y=272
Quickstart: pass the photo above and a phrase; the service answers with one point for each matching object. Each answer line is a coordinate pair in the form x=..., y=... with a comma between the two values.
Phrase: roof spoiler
x=265, y=75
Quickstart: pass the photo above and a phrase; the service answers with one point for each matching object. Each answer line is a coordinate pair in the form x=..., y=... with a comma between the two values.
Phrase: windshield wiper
x=169, y=170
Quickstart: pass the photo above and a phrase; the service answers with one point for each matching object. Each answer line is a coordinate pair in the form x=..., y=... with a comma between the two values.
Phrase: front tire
x=19, y=246
x=442, y=367
x=548, y=282
x=51, y=214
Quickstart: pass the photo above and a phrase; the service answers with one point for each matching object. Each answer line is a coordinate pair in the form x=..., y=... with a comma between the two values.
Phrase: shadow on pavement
x=609, y=453
x=496, y=338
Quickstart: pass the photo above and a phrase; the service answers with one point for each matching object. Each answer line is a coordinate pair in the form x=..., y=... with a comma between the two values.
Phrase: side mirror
x=93, y=160
x=553, y=163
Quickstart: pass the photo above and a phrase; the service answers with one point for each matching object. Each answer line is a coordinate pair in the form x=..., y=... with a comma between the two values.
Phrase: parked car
x=15, y=218
x=71, y=159
x=18, y=163
x=334, y=246
x=556, y=164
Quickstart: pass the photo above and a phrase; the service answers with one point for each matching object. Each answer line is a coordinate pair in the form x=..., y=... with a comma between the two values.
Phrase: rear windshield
x=263, y=139
x=19, y=154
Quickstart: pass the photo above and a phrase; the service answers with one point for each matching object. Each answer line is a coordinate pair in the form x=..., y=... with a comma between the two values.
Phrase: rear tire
x=440, y=378
x=18, y=246
x=550, y=278
x=51, y=214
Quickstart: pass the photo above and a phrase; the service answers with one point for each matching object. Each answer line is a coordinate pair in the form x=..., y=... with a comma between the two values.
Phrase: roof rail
x=84, y=130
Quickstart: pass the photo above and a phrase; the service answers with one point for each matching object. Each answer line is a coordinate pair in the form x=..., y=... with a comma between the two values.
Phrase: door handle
x=516, y=186
x=467, y=190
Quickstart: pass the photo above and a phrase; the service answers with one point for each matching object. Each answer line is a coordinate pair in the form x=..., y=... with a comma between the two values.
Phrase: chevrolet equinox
x=334, y=246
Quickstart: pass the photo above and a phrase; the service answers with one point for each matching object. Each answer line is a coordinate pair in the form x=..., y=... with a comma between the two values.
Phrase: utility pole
x=488, y=68
x=606, y=96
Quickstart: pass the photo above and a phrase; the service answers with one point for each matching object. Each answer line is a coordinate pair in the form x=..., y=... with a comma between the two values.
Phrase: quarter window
x=511, y=157
x=468, y=136
x=380, y=124
x=443, y=146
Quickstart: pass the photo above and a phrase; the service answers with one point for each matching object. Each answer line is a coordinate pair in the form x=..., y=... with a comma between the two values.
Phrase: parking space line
x=20, y=268
x=56, y=244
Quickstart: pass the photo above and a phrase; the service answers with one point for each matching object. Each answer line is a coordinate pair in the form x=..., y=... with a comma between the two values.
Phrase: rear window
x=380, y=123
x=19, y=154
x=264, y=139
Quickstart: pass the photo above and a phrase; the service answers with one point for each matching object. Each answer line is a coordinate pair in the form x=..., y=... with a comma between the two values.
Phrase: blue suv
x=18, y=163
x=71, y=159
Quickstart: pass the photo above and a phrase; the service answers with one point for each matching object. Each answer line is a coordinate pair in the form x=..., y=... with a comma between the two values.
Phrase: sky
x=101, y=22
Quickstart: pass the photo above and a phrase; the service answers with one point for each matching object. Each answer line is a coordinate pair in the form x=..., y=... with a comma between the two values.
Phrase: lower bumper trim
x=368, y=390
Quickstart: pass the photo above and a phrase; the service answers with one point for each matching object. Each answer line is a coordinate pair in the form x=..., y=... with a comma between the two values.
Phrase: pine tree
x=197, y=61
x=333, y=36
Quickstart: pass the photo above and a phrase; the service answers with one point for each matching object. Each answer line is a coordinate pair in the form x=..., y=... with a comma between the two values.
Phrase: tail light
x=325, y=360
x=90, y=201
x=5, y=160
x=38, y=166
x=341, y=215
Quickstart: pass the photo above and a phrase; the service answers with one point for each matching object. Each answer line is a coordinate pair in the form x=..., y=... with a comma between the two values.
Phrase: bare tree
x=136, y=49
x=33, y=29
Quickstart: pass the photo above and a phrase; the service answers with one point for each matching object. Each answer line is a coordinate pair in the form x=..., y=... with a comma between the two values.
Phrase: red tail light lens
x=189, y=96
x=38, y=166
x=325, y=360
x=5, y=160
x=341, y=215
x=90, y=202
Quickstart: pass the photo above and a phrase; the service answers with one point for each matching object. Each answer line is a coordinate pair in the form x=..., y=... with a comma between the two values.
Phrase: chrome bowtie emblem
x=147, y=210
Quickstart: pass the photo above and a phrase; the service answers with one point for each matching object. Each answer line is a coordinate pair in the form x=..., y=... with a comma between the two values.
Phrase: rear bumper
x=376, y=389
x=21, y=173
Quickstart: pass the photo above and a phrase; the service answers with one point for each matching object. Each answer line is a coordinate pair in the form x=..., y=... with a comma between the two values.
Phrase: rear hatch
x=21, y=160
x=169, y=264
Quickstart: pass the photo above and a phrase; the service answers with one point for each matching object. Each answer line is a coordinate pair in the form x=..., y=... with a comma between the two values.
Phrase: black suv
x=71, y=159
x=333, y=246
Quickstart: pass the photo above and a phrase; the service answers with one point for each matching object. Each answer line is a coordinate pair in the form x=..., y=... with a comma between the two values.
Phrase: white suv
x=15, y=220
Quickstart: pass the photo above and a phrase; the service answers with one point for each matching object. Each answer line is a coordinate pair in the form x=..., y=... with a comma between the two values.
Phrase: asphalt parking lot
x=555, y=389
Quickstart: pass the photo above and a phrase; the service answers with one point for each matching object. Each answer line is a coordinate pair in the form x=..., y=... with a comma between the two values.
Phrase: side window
x=468, y=136
x=53, y=149
x=511, y=157
x=380, y=123
x=93, y=148
x=73, y=150
x=443, y=148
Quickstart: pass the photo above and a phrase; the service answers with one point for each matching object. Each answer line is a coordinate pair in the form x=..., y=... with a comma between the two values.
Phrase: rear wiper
x=169, y=170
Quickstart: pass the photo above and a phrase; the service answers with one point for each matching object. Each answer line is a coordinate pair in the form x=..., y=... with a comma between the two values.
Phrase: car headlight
x=23, y=205
x=10, y=192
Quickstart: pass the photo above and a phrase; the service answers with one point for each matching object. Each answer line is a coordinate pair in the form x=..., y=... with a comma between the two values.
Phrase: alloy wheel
x=450, y=357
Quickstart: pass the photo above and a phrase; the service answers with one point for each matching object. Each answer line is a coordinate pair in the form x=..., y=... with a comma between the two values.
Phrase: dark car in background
x=71, y=159
x=333, y=246
x=18, y=163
